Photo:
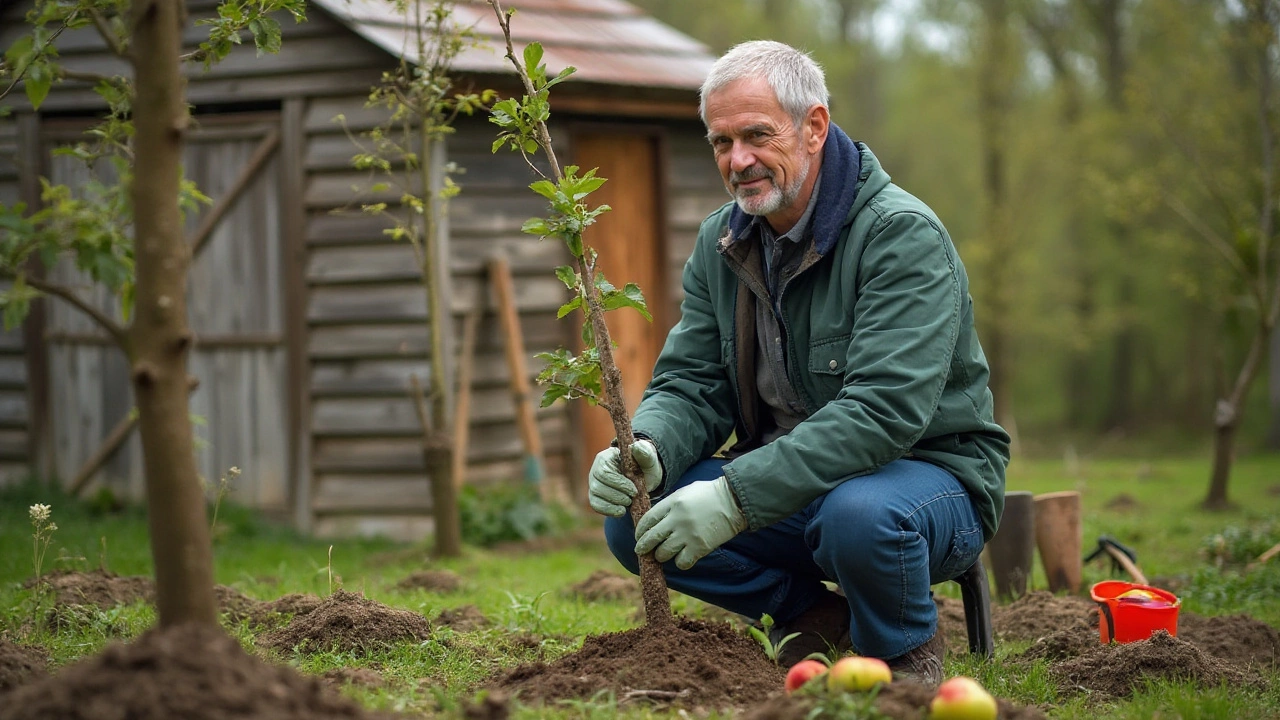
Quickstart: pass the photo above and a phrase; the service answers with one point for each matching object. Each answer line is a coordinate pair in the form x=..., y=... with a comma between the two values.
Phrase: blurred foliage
x=509, y=512
x=1237, y=546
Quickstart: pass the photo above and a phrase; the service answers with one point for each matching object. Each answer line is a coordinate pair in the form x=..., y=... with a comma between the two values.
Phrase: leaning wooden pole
x=159, y=337
x=653, y=583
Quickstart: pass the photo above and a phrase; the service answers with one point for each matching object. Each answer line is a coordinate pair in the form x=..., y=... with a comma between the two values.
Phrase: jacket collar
x=842, y=176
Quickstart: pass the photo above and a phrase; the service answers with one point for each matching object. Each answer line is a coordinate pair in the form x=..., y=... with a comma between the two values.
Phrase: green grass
x=524, y=593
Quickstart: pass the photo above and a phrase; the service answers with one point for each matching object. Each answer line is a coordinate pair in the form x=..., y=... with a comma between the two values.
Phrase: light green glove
x=693, y=521
x=608, y=490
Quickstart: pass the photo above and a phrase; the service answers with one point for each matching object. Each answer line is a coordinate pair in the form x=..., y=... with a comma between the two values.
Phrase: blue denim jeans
x=884, y=538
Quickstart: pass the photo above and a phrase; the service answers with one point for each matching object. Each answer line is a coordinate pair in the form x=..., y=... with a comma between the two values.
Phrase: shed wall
x=13, y=366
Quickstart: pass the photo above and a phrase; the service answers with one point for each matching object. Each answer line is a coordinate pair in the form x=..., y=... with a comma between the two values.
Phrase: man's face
x=763, y=158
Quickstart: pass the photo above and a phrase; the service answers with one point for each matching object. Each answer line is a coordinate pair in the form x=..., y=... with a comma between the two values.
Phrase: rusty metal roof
x=608, y=41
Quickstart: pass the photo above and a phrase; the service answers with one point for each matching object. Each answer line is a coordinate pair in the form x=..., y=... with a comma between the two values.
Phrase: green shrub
x=509, y=512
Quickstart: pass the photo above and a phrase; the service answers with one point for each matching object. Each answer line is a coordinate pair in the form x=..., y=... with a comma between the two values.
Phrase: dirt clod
x=693, y=663
x=19, y=665
x=347, y=622
x=102, y=588
x=441, y=581
x=604, y=585
x=462, y=619
x=1041, y=613
x=1116, y=670
x=1237, y=638
x=194, y=672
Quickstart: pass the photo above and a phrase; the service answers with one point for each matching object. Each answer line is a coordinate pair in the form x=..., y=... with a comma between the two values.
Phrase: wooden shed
x=309, y=320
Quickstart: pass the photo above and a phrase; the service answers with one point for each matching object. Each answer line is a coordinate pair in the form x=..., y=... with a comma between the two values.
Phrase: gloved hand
x=690, y=523
x=608, y=490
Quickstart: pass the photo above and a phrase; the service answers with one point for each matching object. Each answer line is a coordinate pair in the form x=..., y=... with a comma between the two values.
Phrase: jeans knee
x=620, y=536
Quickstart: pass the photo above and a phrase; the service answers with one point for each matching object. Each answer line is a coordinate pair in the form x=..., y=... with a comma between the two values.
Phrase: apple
x=857, y=674
x=1138, y=594
x=802, y=672
x=962, y=698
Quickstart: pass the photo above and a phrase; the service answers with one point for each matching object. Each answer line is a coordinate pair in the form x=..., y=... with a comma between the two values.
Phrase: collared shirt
x=772, y=381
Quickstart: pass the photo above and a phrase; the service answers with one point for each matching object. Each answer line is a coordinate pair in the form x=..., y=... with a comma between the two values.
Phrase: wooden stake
x=462, y=411
x=1060, y=538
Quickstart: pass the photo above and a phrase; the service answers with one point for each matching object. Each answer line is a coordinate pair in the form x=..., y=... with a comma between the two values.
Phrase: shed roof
x=608, y=41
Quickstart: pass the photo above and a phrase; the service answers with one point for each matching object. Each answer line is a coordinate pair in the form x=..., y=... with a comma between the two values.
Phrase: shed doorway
x=631, y=247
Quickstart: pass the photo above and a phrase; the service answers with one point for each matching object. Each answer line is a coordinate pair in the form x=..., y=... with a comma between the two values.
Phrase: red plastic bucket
x=1129, y=612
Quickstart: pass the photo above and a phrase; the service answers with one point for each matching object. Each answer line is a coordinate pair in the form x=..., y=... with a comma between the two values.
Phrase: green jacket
x=881, y=348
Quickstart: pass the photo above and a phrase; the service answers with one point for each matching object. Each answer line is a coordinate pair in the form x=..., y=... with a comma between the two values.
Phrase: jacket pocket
x=827, y=356
x=966, y=545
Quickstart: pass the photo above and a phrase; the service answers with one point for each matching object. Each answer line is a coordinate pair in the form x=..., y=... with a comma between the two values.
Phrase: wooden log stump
x=1012, y=548
x=1060, y=539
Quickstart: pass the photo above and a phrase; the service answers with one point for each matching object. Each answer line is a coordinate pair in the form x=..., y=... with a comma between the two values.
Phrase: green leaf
x=545, y=188
x=38, y=80
x=562, y=76
x=629, y=296
x=552, y=394
x=497, y=144
x=20, y=53
x=530, y=145
x=266, y=34
x=536, y=226
x=533, y=55
x=569, y=307
x=567, y=276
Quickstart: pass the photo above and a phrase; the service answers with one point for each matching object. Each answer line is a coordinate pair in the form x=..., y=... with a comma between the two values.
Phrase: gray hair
x=796, y=79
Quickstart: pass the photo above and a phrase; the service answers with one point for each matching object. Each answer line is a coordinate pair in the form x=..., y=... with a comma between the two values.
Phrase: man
x=827, y=323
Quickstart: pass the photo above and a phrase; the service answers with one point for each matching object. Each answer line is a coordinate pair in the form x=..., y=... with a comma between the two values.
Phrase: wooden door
x=629, y=240
x=235, y=309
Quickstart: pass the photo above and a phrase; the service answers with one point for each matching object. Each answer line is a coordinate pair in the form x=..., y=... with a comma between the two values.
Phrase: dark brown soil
x=19, y=665
x=1115, y=670
x=1041, y=613
x=693, y=664
x=897, y=701
x=951, y=624
x=194, y=672
x=441, y=581
x=604, y=585
x=285, y=606
x=347, y=622
x=361, y=677
x=1237, y=638
x=463, y=619
x=97, y=587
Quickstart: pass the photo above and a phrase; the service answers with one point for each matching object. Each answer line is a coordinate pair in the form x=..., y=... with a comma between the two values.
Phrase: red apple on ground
x=857, y=674
x=962, y=698
x=802, y=672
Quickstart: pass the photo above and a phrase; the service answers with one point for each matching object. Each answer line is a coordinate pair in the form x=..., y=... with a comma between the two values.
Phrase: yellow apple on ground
x=962, y=698
x=802, y=672
x=857, y=674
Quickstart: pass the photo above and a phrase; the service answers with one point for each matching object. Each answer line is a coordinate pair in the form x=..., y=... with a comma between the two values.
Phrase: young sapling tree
x=593, y=374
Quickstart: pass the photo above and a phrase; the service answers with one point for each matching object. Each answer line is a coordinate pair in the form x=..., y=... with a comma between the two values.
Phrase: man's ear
x=817, y=122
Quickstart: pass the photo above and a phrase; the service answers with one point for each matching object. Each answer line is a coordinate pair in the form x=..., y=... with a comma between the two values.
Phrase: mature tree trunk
x=995, y=99
x=159, y=337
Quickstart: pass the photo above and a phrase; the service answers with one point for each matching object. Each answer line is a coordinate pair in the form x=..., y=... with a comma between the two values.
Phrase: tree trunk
x=1224, y=438
x=159, y=336
x=439, y=448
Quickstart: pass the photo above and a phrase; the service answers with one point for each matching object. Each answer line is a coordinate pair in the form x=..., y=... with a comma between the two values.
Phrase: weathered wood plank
x=363, y=493
x=13, y=445
x=351, y=189
x=350, y=227
x=391, y=377
x=403, y=528
x=13, y=372
x=397, y=262
x=406, y=302
x=395, y=417
x=390, y=454
x=354, y=342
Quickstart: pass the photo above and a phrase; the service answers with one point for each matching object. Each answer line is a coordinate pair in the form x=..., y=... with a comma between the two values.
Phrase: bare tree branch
x=114, y=329
x=1218, y=243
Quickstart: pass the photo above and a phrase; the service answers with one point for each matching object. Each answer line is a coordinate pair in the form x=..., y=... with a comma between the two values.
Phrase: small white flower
x=39, y=513
x=234, y=472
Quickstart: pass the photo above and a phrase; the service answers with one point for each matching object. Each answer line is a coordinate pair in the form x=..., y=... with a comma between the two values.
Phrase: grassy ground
x=524, y=592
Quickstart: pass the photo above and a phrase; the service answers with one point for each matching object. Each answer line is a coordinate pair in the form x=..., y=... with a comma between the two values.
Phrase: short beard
x=768, y=202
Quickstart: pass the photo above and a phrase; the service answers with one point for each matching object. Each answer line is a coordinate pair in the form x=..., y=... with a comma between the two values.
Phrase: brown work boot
x=922, y=664
x=825, y=625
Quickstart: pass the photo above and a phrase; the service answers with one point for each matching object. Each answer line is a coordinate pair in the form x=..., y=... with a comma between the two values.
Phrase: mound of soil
x=1115, y=670
x=97, y=587
x=897, y=701
x=1041, y=613
x=1237, y=638
x=951, y=624
x=463, y=619
x=693, y=663
x=19, y=665
x=347, y=622
x=292, y=604
x=233, y=603
x=1077, y=639
x=194, y=672
x=604, y=585
x=441, y=581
